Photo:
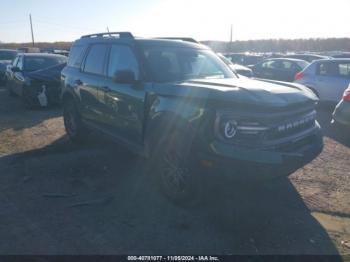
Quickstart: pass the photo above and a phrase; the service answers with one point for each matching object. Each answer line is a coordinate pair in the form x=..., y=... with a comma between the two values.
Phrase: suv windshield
x=33, y=63
x=7, y=55
x=169, y=64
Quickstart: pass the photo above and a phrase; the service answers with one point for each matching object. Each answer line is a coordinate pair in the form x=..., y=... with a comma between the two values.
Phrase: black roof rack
x=110, y=34
x=187, y=39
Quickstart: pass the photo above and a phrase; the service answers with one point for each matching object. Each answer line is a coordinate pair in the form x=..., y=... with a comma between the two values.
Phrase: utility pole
x=31, y=28
x=107, y=29
x=231, y=36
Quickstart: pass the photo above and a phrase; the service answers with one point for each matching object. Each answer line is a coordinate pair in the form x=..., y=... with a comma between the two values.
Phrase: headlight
x=233, y=128
x=228, y=128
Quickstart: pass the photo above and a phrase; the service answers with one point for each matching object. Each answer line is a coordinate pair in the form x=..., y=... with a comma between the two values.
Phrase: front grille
x=292, y=126
x=270, y=128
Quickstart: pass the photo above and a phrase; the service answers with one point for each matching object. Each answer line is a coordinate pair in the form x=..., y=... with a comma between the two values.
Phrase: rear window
x=76, y=55
x=34, y=63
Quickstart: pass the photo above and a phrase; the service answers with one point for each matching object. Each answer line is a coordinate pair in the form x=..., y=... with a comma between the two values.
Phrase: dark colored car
x=239, y=69
x=280, y=69
x=307, y=57
x=341, y=114
x=32, y=75
x=6, y=58
x=178, y=104
x=342, y=55
x=244, y=59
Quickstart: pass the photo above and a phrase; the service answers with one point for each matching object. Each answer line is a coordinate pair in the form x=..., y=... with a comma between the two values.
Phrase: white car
x=327, y=78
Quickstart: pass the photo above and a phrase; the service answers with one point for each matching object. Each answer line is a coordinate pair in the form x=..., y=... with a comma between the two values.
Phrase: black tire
x=27, y=100
x=9, y=89
x=175, y=171
x=72, y=122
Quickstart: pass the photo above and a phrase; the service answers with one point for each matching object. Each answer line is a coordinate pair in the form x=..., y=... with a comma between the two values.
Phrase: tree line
x=282, y=45
x=267, y=45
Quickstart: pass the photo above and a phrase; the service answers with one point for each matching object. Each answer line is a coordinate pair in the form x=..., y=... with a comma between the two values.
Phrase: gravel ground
x=58, y=198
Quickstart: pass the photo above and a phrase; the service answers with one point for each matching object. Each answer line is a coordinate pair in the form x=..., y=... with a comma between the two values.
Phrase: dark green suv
x=178, y=104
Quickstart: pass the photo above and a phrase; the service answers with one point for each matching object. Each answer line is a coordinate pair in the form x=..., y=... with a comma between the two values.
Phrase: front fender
x=169, y=113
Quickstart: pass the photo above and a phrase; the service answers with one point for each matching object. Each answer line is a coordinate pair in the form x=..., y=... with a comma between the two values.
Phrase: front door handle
x=105, y=88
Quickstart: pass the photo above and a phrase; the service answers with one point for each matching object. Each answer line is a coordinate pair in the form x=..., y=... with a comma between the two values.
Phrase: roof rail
x=186, y=39
x=110, y=34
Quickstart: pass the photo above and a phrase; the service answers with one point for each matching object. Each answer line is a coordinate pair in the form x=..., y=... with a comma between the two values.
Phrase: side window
x=344, y=69
x=271, y=64
x=286, y=65
x=327, y=69
x=94, y=62
x=122, y=58
x=76, y=55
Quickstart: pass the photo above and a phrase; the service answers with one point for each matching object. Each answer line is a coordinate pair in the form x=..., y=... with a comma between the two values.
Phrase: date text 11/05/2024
x=173, y=258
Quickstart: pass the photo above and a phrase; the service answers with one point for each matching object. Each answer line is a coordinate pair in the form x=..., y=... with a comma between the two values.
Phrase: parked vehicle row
x=183, y=107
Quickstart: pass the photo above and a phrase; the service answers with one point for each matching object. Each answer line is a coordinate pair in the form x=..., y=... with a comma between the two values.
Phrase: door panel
x=123, y=103
x=90, y=81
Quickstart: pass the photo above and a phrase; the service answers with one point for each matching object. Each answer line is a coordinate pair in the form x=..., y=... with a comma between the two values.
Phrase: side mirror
x=124, y=77
x=15, y=69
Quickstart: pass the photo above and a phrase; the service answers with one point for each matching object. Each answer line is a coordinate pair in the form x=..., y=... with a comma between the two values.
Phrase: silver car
x=327, y=78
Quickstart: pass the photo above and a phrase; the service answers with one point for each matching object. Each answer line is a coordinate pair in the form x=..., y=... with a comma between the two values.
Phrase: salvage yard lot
x=58, y=198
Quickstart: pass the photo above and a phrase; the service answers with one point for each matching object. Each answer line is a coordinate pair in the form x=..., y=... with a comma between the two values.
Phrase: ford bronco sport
x=176, y=103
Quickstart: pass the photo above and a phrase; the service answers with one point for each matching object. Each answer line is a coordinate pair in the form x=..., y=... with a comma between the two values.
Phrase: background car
x=307, y=57
x=21, y=79
x=281, y=69
x=47, y=83
x=327, y=78
x=244, y=59
x=341, y=114
x=6, y=58
x=342, y=55
x=239, y=69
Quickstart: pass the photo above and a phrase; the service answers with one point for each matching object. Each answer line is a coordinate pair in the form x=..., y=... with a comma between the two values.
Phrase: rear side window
x=334, y=69
x=95, y=59
x=344, y=69
x=271, y=64
x=76, y=55
x=122, y=58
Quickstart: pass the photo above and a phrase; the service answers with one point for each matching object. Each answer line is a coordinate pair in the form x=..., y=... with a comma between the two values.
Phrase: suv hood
x=240, y=91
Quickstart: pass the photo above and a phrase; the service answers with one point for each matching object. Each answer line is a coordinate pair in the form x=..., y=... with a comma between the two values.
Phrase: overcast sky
x=67, y=20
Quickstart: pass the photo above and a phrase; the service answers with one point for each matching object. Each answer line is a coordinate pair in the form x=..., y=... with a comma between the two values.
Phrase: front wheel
x=27, y=99
x=175, y=169
x=72, y=122
x=9, y=89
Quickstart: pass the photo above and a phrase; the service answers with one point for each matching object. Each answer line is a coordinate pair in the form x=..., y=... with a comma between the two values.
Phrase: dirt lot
x=58, y=198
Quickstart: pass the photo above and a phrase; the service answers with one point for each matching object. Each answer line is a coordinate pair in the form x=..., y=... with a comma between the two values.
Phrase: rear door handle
x=105, y=88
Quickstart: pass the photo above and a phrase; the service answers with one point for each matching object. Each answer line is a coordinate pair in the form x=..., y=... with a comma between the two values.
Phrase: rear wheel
x=176, y=173
x=72, y=121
